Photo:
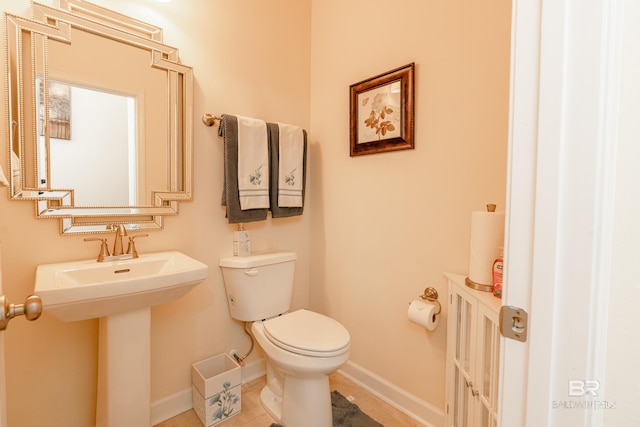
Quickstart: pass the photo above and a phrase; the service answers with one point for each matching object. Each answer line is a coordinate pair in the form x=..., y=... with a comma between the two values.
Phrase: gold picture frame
x=382, y=112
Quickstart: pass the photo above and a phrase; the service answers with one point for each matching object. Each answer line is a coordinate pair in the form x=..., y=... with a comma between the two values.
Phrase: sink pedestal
x=120, y=294
x=124, y=389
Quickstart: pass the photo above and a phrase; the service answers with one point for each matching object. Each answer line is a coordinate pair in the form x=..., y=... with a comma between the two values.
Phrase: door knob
x=31, y=309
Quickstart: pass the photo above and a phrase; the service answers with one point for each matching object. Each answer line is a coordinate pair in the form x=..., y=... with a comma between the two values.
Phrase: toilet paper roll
x=487, y=236
x=423, y=313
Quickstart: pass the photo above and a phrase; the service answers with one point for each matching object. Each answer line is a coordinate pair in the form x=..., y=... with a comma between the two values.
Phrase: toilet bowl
x=302, y=347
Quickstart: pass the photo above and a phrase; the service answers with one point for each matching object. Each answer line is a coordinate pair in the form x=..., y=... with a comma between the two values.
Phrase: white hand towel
x=253, y=163
x=290, y=171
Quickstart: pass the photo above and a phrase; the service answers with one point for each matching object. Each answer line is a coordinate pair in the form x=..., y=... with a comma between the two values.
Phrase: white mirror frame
x=56, y=24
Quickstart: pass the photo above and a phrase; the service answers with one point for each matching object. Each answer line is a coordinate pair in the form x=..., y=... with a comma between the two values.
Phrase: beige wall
x=385, y=226
x=377, y=229
x=249, y=58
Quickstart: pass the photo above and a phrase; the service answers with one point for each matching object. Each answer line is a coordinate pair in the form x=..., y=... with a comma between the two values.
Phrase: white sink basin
x=119, y=293
x=89, y=289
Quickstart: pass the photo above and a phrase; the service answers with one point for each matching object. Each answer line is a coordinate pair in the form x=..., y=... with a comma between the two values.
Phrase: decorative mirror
x=99, y=118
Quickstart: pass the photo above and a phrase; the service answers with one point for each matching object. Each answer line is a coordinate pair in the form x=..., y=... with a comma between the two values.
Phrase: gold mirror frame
x=56, y=24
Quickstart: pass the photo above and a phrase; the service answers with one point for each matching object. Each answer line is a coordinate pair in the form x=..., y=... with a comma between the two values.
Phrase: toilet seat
x=308, y=333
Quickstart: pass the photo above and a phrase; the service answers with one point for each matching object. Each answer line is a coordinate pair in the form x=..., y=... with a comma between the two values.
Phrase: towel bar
x=210, y=119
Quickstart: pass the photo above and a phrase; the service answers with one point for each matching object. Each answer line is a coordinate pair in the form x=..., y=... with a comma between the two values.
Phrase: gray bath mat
x=347, y=414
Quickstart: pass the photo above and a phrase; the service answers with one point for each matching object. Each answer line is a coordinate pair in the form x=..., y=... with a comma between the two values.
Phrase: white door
x=3, y=412
x=567, y=127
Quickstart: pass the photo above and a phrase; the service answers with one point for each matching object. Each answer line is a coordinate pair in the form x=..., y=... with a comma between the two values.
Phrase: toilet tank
x=258, y=286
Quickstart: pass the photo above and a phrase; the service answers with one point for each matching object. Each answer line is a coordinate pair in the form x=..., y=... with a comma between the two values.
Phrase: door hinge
x=513, y=323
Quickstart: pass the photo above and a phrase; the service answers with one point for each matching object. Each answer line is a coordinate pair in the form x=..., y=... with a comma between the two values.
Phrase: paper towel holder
x=431, y=294
x=477, y=286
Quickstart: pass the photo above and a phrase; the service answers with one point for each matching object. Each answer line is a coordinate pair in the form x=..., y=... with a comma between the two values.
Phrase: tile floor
x=252, y=414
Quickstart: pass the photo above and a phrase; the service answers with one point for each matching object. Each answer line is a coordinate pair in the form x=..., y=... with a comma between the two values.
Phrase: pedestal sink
x=119, y=293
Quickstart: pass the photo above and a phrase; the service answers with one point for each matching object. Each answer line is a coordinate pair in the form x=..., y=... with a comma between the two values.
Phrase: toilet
x=302, y=347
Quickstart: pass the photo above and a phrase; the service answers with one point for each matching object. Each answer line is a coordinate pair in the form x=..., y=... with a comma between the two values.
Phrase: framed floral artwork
x=382, y=116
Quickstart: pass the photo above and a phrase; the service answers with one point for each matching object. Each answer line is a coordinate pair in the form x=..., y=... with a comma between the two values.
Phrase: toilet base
x=271, y=403
x=305, y=402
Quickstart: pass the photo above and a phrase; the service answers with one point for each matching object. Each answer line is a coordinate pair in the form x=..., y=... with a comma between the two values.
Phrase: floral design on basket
x=225, y=400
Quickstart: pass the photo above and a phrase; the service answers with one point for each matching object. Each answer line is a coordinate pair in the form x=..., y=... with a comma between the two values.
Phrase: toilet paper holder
x=431, y=294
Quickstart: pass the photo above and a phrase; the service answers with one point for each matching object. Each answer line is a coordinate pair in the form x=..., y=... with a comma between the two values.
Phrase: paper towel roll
x=487, y=236
x=423, y=313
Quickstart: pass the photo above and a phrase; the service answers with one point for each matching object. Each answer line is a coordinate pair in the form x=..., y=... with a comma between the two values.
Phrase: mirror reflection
x=99, y=140
x=99, y=127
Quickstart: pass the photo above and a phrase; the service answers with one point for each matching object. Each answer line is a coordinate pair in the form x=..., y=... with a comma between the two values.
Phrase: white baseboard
x=170, y=406
x=421, y=411
x=253, y=371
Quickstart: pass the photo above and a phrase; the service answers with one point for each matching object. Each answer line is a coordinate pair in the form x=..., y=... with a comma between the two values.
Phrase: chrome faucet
x=118, y=252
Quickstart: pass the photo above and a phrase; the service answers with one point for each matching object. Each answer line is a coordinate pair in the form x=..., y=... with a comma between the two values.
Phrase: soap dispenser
x=241, y=242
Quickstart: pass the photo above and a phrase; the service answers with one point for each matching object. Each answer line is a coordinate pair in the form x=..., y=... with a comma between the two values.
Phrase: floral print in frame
x=382, y=112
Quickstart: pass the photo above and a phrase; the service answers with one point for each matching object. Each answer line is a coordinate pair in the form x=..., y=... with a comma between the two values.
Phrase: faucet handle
x=132, y=245
x=104, y=248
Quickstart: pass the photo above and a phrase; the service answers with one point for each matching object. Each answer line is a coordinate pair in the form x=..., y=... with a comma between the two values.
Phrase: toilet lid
x=309, y=333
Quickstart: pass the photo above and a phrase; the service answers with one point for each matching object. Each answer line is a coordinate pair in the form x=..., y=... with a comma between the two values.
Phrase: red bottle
x=498, y=265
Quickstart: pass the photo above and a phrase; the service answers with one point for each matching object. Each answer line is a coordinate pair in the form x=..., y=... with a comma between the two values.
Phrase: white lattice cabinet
x=473, y=351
